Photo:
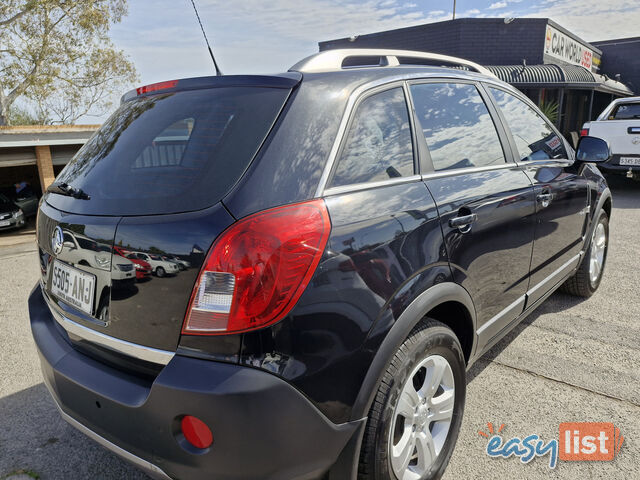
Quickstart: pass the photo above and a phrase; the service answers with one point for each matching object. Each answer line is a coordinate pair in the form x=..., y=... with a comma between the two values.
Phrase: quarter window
x=379, y=145
x=456, y=125
x=534, y=137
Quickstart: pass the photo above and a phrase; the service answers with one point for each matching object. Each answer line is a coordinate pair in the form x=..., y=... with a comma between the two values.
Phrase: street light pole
x=454, y=10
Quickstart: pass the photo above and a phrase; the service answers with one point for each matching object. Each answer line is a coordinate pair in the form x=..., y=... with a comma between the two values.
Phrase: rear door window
x=457, y=126
x=534, y=137
x=379, y=145
x=172, y=152
x=626, y=111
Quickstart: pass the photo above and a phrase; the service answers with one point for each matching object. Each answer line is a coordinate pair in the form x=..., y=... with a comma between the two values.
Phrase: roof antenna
x=215, y=64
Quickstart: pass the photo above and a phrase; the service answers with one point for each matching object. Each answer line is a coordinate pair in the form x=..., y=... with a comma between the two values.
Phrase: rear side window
x=173, y=152
x=378, y=145
x=626, y=111
x=534, y=137
x=456, y=125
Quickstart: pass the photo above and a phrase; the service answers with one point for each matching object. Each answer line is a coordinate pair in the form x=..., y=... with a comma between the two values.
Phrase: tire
x=426, y=348
x=160, y=272
x=582, y=283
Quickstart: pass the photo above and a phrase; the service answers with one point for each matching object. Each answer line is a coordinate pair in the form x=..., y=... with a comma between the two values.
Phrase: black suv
x=356, y=236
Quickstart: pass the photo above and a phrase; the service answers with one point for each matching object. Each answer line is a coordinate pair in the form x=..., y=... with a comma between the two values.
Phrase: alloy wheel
x=422, y=418
x=598, y=249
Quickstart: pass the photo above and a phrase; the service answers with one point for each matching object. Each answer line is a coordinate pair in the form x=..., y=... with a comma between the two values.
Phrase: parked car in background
x=84, y=251
x=24, y=196
x=182, y=264
x=142, y=268
x=371, y=229
x=11, y=215
x=619, y=125
x=159, y=267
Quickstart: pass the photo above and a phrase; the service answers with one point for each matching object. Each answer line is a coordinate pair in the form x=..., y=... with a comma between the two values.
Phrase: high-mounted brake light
x=584, y=132
x=154, y=87
x=257, y=269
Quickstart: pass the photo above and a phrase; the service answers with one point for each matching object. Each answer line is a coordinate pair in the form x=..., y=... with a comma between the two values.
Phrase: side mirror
x=592, y=149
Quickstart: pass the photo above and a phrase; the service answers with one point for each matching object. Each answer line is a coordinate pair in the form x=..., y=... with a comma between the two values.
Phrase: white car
x=82, y=250
x=182, y=264
x=619, y=125
x=159, y=266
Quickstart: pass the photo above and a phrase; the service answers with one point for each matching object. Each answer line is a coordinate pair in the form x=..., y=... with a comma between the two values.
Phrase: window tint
x=534, y=137
x=379, y=145
x=173, y=152
x=457, y=126
x=626, y=111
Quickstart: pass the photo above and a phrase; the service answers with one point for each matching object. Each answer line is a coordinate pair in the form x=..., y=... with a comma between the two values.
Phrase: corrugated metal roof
x=557, y=76
x=530, y=74
x=577, y=74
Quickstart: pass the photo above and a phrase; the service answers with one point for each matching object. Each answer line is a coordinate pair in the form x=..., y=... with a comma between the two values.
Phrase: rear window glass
x=626, y=111
x=173, y=152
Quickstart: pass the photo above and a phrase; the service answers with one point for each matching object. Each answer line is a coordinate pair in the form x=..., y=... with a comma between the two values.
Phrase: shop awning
x=556, y=76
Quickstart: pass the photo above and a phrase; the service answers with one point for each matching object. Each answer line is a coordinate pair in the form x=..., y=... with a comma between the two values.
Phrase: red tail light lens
x=257, y=269
x=584, y=132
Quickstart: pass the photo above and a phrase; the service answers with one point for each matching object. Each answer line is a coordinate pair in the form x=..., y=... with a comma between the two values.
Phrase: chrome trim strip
x=144, y=465
x=502, y=313
x=142, y=352
x=568, y=265
x=464, y=171
x=366, y=186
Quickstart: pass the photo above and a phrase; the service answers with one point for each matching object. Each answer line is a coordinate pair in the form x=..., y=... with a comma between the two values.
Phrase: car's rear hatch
x=150, y=181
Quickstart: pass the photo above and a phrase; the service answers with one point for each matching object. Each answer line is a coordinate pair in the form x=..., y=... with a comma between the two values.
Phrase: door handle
x=544, y=199
x=463, y=223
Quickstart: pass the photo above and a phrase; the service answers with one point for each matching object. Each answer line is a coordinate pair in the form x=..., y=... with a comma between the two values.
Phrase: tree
x=55, y=55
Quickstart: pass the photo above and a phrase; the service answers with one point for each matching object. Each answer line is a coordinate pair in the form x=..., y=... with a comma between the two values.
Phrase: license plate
x=4, y=223
x=73, y=286
x=635, y=161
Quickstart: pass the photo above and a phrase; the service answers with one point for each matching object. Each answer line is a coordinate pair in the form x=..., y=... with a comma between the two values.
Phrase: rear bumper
x=612, y=166
x=263, y=428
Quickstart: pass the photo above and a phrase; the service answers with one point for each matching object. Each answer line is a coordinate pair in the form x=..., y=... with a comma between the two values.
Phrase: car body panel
x=385, y=246
x=491, y=261
x=391, y=259
x=163, y=300
x=561, y=226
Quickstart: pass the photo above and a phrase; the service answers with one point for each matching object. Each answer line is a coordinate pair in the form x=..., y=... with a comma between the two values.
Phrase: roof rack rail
x=331, y=60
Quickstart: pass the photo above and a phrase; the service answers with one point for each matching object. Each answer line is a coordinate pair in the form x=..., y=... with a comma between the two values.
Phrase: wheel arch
x=605, y=202
x=447, y=302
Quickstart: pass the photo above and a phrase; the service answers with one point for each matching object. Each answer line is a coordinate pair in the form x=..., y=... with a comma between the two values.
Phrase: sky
x=163, y=38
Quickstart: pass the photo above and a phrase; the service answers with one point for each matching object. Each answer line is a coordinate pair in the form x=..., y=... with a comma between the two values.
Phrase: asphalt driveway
x=572, y=360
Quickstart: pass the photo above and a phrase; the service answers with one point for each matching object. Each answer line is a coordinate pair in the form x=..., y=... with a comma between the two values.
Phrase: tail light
x=584, y=132
x=257, y=269
x=155, y=87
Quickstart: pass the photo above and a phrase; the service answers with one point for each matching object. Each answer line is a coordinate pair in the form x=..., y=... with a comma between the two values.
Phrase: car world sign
x=563, y=47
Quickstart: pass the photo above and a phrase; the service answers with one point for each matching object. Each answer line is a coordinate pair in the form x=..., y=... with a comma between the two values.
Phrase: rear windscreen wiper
x=68, y=190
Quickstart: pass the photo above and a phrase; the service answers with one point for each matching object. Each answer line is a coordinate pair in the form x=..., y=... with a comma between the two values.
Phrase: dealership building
x=551, y=65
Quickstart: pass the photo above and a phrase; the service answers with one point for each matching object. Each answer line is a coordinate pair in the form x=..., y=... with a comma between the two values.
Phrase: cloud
x=495, y=6
x=593, y=19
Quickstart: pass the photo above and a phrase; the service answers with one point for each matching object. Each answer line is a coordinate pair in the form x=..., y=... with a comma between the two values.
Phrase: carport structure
x=37, y=153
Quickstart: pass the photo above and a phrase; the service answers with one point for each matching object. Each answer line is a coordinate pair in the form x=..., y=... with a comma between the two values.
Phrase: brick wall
x=622, y=56
x=488, y=41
